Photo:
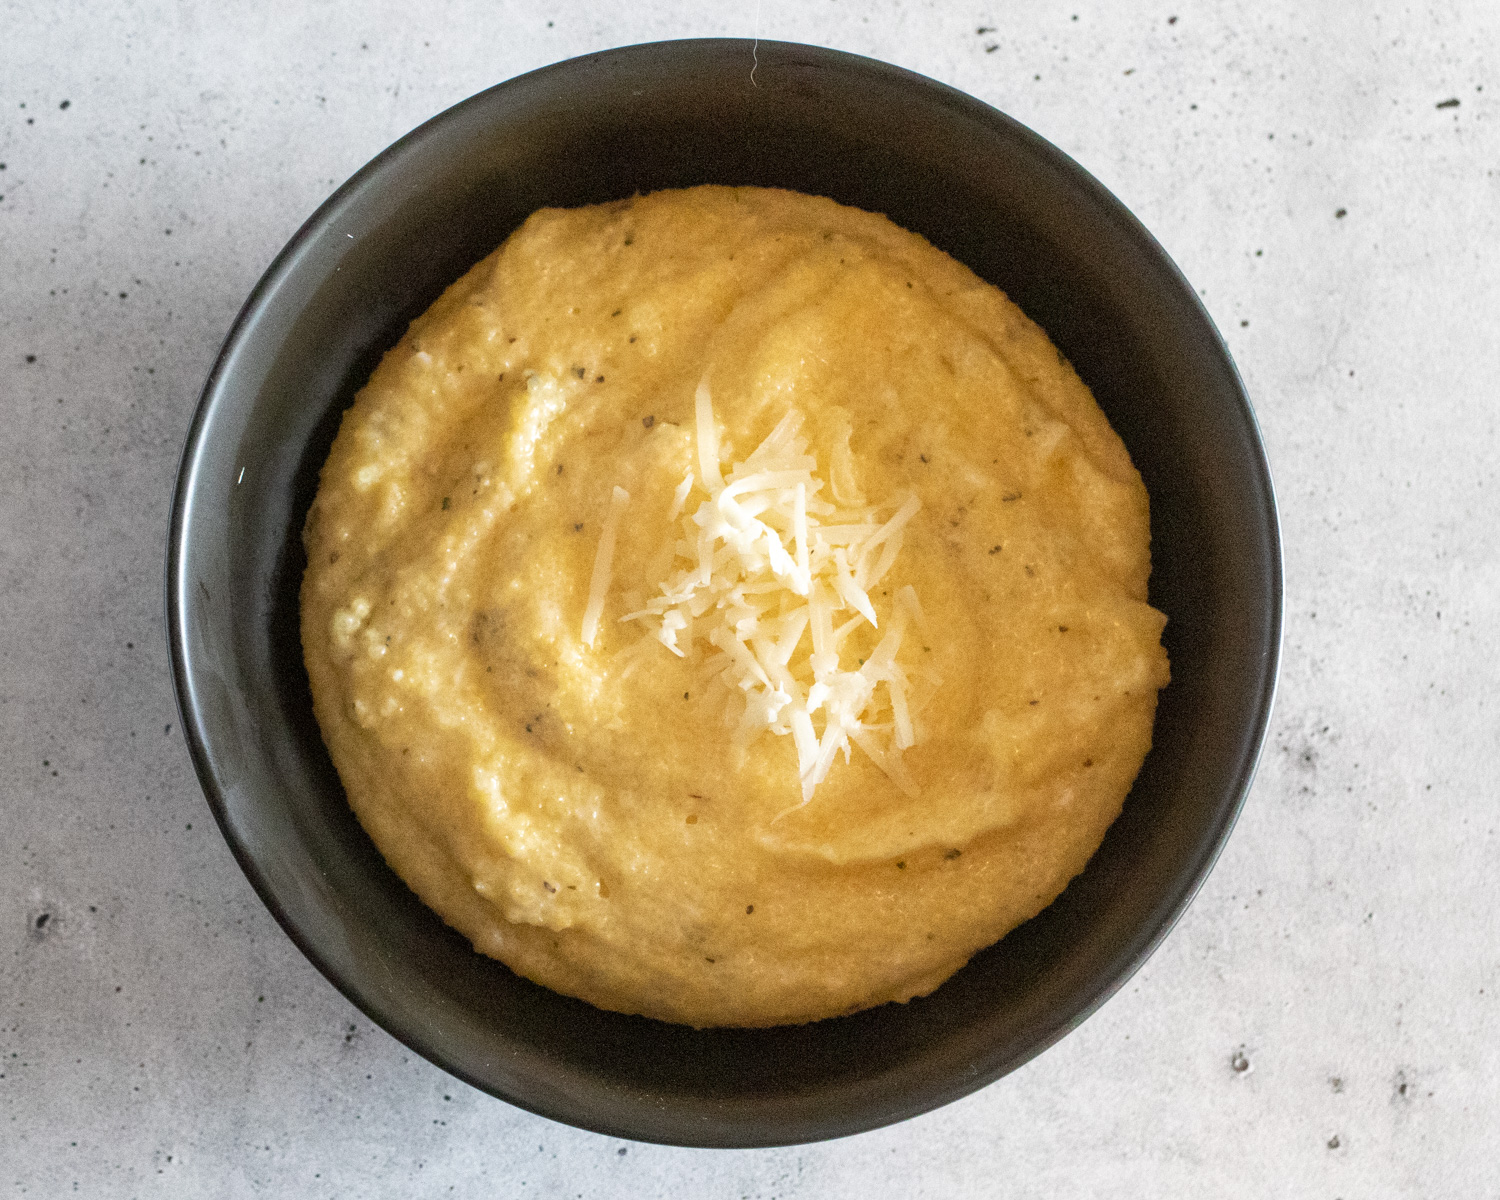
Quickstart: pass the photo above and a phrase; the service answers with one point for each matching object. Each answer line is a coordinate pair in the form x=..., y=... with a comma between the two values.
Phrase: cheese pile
x=763, y=568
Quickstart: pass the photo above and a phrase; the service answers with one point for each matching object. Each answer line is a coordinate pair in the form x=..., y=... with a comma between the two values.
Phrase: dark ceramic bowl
x=979, y=186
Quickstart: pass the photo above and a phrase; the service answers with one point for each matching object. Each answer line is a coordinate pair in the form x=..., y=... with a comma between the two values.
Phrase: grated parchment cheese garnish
x=771, y=577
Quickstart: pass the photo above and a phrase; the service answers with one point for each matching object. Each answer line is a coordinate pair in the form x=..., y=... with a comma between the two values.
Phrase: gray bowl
x=975, y=183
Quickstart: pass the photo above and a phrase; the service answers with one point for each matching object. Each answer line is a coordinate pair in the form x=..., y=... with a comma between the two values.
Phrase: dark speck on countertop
x=41, y=925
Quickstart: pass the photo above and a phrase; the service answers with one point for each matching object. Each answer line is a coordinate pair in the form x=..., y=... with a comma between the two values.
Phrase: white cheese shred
x=679, y=497
x=779, y=581
x=708, y=439
x=604, y=561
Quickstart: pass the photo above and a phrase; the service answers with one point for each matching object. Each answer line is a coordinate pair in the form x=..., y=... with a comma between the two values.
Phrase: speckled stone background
x=1323, y=1023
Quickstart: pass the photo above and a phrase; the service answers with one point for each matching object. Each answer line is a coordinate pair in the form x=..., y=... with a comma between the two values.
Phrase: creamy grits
x=623, y=743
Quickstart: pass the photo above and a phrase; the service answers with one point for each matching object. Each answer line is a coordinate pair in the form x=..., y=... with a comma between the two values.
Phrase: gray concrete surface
x=1322, y=1023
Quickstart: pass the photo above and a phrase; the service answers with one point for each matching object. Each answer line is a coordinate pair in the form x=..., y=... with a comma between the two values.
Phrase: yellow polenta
x=592, y=814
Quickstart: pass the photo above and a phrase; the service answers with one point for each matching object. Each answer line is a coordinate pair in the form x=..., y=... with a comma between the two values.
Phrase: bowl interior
x=380, y=251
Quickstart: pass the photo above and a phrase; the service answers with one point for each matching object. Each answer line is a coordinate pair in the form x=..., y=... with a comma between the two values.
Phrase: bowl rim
x=178, y=597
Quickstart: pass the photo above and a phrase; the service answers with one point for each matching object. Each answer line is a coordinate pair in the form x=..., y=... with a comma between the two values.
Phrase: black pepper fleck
x=1341, y=213
x=1451, y=102
x=446, y=501
x=749, y=908
x=648, y=421
x=65, y=105
x=952, y=854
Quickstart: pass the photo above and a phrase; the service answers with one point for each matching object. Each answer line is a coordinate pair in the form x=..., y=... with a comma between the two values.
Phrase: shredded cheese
x=761, y=569
x=604, y=561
